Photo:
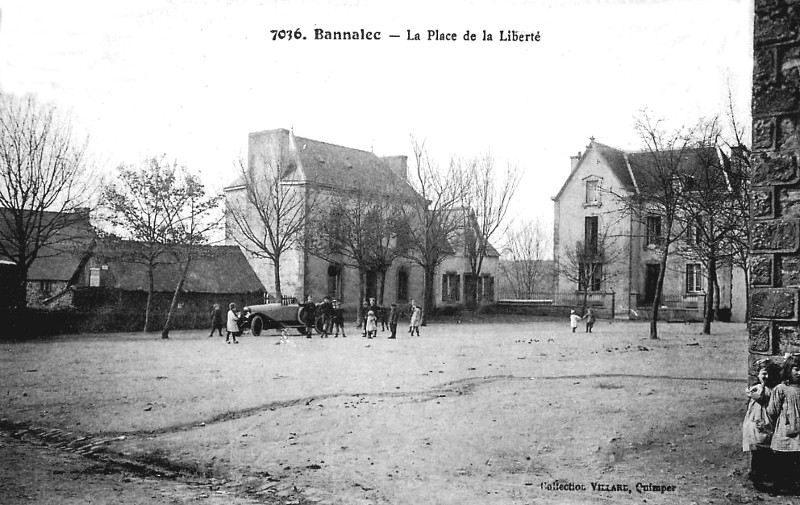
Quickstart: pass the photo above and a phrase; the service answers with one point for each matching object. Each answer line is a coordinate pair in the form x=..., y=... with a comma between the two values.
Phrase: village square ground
x=491, y=411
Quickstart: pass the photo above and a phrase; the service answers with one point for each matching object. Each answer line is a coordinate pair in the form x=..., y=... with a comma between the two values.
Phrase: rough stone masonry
x=775, y=196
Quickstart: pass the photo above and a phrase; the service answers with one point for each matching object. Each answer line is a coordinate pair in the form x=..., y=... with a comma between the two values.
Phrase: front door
x=650, y=282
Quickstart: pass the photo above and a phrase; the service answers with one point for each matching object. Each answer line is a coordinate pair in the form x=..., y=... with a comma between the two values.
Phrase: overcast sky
x=192, y=78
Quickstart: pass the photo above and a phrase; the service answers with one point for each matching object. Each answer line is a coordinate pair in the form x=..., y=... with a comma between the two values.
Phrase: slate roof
x=642, y=165
x=217, y=269
x=333, y=166
x=59, y=259
x=457, y=242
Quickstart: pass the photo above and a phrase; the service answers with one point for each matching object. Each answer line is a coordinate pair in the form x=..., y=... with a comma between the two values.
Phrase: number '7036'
x=286, y=34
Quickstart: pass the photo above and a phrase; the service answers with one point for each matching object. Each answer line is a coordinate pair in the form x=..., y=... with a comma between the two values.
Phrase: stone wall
x=775, y=202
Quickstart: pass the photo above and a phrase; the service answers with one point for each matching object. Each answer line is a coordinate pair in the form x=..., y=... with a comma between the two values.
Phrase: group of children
x=372, y=314
x=332, y=319
x=771, y=427
x=574, y=319
x=233, y=323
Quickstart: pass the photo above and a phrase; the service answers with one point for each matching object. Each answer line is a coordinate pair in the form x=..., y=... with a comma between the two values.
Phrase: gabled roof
x=644, y=164
x=635, y=169
x=59, y=259
x=457, y=241
x=216, y=269
x=332, y=166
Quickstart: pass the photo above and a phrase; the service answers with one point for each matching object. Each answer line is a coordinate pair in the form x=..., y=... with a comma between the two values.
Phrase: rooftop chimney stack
x=573, y=161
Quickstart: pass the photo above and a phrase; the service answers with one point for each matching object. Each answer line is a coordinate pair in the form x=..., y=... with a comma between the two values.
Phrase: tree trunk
x=381, y=286
x=657, y=298
x=585, y=298
x=19, y=299
x=428, y=292
x=709, y=305
x=359, y=307
x=277, y=278
x=150, y=292
x=174, y=303
x=746, y=296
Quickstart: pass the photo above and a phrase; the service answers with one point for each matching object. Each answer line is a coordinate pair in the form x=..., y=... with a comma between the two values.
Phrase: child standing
x=589, y=320
x=573, y=320
x=338, y=319
x=233, y=324
x=372, y=325
x=784, y=412
x=216, y=320
x=757, y=427
x=393, y=315
x=416, y=318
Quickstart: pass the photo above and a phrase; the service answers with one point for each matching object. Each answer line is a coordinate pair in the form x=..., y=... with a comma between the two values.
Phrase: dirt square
x=505, y=411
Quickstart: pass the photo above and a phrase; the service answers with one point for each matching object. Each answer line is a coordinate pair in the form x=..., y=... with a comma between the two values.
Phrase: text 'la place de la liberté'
x=411, y=35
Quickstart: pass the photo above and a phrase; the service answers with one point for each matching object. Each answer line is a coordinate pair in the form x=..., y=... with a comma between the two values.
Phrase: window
x=590, y=234
x=402, y=285
x=94, y=277
x=653, y=230
x=451, y=288
x=591, y=277
x=46, y=287
x=486, y=288
x=335, y=290
x=693, y=278
x=694, y=231
x=591, y=191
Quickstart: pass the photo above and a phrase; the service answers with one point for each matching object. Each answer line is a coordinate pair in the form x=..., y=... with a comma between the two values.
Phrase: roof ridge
x=337, y=145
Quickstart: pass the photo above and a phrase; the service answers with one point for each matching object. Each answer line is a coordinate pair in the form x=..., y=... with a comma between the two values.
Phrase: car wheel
x=256, y=326
x=302, y=315
x=319, y=325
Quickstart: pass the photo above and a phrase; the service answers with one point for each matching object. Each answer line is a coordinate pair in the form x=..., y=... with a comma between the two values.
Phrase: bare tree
x=529, y=243
x=193, y=219
x=44, y=184
x=354, y=228
x=267, y=217
x=387, y=239
x=147, y=204
x=485, y=199
x=659, y=193
x=589, y=262
x=709, y=211
x=432, y=224
x=739, y=174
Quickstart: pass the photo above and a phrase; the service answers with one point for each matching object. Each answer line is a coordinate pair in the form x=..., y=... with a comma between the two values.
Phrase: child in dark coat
x=216, y=320
x=393, y=316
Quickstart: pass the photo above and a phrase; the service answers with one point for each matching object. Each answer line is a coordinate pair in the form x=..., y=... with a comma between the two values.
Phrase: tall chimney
x=573, y=161
x=398, y=165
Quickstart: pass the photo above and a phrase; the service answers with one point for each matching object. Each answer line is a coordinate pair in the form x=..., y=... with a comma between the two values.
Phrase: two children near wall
x=771, y=427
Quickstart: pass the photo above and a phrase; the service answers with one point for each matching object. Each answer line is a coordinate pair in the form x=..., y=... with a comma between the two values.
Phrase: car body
x=276, y=316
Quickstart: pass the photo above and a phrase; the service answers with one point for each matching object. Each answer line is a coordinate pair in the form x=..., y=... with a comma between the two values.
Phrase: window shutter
x=458, y=288
x=444, y=287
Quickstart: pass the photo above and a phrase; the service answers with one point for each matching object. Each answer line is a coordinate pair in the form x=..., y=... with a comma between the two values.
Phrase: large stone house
x=318, y=170
x=587, y=210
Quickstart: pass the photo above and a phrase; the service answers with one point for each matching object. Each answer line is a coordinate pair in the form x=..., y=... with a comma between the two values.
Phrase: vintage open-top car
x=276, y=316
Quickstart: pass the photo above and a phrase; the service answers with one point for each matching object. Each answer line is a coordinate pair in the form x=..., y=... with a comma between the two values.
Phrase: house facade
x=589, y=215
x=317, y=171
